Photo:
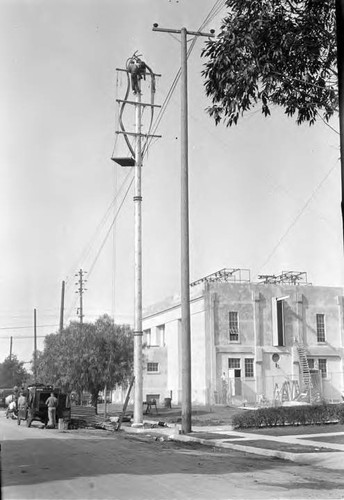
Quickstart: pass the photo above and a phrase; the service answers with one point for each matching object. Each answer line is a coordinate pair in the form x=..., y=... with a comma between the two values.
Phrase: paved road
x=48, y=464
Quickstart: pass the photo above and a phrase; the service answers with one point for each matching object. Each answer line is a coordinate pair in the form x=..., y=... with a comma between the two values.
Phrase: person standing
x=22, y=407
x=51, y=403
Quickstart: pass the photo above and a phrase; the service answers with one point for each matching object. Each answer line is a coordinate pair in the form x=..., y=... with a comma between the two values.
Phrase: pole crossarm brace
x=136, y=134
x=139, y=104
x=126, y=71
x=195, y=33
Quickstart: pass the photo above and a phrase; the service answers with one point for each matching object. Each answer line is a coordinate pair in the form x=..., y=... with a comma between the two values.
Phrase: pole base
x=137, y=426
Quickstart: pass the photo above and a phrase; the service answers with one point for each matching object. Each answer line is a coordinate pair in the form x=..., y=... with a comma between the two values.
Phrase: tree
x=280, y=52
x=87, y=358
x=12, y=372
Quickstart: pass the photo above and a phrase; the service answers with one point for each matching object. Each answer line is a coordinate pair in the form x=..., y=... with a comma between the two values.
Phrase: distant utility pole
x=340, y=64
x=136, y=70
x=185, y=266
x=62, y=305
x=35, y=346
x=80, y=291
x=11, y=343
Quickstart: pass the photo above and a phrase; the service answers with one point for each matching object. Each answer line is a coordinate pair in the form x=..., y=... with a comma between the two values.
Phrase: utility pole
x=340, y=65
x=35, y=346
x=185, y=258
x=137, y=70
x=11, y=343
x=80, y=291
x=62, y=305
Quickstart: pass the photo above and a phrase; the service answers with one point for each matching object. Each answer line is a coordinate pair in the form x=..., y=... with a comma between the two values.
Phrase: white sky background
x=264, y=195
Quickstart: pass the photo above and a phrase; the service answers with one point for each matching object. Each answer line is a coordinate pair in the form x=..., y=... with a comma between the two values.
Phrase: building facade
x=250, y=343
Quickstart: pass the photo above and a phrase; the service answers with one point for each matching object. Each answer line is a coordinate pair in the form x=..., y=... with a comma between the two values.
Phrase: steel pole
x=185, y=271
x=138, y=402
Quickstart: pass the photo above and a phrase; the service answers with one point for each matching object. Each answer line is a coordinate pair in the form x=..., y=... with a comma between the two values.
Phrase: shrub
x=289, y=415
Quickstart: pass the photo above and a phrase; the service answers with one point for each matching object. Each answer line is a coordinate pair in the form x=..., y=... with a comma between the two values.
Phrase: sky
x=264, y=195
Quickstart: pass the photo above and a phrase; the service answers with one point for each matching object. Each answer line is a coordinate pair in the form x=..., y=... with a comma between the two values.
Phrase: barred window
x=152, y=367
x=323, y=367
x=233, y=362
x=249, y=368
x=320, y=320
x=233, y=326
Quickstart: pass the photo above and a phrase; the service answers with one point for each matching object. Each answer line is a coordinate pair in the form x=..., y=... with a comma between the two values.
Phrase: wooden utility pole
x=340, y=64
x=62, y=305
x=185, y=259
x=81, y=291
x=35, y=346
x=11, y=343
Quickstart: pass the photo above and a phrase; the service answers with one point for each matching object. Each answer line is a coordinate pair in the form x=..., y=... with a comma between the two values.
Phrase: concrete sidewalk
x=320, y=449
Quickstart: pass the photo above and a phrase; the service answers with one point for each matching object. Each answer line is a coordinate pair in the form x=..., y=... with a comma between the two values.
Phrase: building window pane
x=249, y=368
x=320, y=319
x=152, y=367
x=323, y=367
x=233, y=326
x=233, y=363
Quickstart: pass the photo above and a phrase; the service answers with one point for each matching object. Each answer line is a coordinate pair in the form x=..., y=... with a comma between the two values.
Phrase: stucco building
x=277, y=340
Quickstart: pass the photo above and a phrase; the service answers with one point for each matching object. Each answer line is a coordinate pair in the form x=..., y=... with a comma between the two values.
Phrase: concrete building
x=275, y=341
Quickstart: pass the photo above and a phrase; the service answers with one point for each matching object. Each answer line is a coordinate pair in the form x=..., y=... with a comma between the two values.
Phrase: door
x=237, y=382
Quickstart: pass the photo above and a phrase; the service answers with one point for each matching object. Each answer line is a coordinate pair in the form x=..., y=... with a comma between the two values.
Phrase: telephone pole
x=80, y=291
x=11, y=343
x=340, y=65
x=185, y=258
x=62, y=305
x=35, y=346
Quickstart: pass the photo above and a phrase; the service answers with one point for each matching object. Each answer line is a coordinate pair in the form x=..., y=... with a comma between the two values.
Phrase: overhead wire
x=298, y=215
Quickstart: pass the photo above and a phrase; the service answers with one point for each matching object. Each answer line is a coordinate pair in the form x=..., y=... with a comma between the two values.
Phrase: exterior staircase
x=310, y=392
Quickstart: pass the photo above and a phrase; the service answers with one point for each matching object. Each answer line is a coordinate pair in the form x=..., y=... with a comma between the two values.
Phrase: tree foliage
x=87, y=358
x=273, y=52
x=12, y=372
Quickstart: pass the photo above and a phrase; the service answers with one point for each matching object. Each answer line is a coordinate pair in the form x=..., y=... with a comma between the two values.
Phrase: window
x=249, y=368
x=278, y=321
x=320, y=320
x=233, y=326
x=233, y=363
x=311, y=363
x=152, y=367
x=323, y=367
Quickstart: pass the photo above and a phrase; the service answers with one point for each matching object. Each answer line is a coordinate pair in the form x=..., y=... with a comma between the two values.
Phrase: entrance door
x=237, y=382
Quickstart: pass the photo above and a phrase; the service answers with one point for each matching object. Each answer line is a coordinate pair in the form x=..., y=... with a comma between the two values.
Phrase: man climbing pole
x=137, y=70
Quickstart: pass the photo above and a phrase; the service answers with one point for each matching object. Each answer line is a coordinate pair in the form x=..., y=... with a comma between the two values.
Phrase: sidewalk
x=320, y=449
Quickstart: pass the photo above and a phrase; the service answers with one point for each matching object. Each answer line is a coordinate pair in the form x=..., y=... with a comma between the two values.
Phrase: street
x=93, y=464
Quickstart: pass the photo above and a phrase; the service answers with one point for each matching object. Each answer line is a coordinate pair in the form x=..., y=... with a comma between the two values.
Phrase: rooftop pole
x=184, y=212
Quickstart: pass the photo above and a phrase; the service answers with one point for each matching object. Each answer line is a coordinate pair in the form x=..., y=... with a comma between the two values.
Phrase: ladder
x=309, y=393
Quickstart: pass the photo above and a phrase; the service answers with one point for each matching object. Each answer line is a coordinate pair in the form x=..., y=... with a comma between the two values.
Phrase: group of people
x=17, y=405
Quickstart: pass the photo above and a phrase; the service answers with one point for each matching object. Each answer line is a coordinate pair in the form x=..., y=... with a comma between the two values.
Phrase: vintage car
x=37, y=408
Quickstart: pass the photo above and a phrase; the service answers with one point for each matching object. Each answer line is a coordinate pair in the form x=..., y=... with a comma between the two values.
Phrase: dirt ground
x=201, y=416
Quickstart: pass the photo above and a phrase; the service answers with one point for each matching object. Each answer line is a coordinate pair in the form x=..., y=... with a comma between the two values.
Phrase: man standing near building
x=51, y=403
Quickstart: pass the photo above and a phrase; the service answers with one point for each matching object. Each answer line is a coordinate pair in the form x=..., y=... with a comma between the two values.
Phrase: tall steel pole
x=138, y=403
x=184, y=209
